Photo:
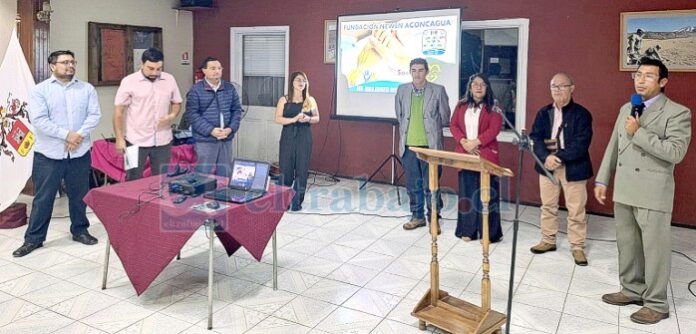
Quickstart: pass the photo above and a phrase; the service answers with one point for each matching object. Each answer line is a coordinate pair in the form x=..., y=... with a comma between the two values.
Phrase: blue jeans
x=417, y=184
x=47, y=176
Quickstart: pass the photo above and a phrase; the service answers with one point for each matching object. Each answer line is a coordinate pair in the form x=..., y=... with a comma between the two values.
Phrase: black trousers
x=470, y=214
x=47, y=176
x=159, y=161
x=295, y=151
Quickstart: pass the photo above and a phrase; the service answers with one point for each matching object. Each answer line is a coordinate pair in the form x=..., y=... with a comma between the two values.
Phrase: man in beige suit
x=642, y=153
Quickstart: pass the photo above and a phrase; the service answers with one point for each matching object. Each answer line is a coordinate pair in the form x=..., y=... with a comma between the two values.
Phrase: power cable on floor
x=329, y=180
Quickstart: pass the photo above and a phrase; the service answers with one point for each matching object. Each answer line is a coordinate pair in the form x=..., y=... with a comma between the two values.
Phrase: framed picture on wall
x=330, y=42
x=669, y=36
x=115, y=50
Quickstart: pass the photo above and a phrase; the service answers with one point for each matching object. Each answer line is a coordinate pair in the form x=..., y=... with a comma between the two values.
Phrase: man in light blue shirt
x=64, y=111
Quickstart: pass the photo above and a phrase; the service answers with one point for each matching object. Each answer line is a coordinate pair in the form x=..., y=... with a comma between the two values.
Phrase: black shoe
x=427, y=217
x=85, y=238
x=26, y=248
x=439, y=218
x=439, y=230
x=294, y=208
x=497, y=241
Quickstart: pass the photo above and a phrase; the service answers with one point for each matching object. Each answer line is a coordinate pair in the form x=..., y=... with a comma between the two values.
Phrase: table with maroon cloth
x=147, y=230
x=108, y=161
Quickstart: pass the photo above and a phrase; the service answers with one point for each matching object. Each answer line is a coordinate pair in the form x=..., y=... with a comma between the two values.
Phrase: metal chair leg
x=210, y=224
x=275, y=262
x=107, y=252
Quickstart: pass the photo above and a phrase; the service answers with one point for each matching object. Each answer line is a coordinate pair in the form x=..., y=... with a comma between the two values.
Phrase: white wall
x=8, y=13
x=69, y=31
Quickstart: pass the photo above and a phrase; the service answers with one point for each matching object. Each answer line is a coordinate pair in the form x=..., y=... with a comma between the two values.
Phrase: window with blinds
x=263, y=69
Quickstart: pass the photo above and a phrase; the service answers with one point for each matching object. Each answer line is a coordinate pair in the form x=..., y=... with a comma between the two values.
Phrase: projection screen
x=374, y=51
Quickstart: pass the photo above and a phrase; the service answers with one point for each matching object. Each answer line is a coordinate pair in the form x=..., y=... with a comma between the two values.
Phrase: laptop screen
x=249, y=175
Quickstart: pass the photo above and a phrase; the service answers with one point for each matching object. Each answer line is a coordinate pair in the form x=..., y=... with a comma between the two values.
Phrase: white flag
x=16, y=133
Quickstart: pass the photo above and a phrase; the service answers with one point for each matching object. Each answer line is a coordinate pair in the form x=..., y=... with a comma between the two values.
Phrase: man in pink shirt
x=149, y=101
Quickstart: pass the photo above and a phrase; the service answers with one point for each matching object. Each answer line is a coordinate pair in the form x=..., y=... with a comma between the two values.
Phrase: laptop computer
x=248, y=182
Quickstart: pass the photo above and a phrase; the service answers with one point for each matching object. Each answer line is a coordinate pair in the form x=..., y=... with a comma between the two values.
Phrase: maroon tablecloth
x=105, y=159
x=147, y=231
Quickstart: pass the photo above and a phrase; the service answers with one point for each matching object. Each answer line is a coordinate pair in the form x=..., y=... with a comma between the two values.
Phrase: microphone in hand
x=637, y=105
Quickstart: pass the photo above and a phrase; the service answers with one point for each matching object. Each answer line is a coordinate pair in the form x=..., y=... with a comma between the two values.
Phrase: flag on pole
x=16, y=133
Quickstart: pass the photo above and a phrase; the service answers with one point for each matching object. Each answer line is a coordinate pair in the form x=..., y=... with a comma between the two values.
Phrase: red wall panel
x=580, y=37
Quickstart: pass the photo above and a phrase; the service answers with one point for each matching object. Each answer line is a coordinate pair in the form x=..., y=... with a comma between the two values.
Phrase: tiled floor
x=340, y=272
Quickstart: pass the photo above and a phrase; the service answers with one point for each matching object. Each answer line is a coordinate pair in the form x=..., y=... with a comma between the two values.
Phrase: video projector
x=192, y=185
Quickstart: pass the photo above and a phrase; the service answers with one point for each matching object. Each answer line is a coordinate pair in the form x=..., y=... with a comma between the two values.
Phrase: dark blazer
x=577, y=135
x=204, y=106
x=489, y=126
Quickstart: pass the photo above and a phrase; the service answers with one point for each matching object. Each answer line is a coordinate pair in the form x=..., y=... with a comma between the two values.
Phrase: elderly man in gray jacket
x=422, y=109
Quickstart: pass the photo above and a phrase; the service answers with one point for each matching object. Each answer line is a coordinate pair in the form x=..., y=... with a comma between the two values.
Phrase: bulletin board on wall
x=115, y=50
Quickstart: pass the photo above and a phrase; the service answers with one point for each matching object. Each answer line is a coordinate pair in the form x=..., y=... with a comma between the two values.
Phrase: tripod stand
x=394, y=160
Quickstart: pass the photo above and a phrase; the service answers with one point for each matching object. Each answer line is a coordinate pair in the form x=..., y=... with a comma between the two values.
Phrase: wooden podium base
x=437, y=307
x=457, y=316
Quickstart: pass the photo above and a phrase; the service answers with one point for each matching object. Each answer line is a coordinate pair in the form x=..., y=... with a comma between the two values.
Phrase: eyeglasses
x=67, y=62
x=647, y=76
x=557, y=88
x=301, y=80
x=478, y=85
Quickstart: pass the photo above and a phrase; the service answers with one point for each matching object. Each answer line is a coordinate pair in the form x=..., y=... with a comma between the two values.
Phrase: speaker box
x=196, y=3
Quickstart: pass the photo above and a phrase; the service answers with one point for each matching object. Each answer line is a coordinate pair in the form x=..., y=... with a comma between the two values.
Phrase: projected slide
x=374, y=52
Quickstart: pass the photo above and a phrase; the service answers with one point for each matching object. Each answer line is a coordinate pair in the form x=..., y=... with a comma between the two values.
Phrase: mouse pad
x=204, y=208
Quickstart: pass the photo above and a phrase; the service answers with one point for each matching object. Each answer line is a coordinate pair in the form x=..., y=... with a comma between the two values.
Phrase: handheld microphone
x=637, y=105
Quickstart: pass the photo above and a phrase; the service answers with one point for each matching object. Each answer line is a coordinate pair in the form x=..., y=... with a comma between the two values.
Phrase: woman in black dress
x=296, y=111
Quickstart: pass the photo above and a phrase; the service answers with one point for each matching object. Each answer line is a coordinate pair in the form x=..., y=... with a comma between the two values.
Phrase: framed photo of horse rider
x=669, y=36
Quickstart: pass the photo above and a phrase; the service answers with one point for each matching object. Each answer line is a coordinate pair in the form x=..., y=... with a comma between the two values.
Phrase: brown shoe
x=543, y=247
x=414, y=223
x=648, y=316
x=579, y=257
x=620, y=299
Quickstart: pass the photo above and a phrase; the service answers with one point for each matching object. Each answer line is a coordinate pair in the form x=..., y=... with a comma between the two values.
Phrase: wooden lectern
x=437, y=307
